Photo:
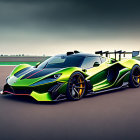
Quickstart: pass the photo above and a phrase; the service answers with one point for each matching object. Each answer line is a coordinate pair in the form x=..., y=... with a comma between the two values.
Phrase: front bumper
x=52, y=94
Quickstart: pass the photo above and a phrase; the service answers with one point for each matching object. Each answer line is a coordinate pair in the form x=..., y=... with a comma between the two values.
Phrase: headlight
x=47, y=80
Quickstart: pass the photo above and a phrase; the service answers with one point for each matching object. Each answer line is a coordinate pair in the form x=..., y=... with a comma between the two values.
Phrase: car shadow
x=27, y=99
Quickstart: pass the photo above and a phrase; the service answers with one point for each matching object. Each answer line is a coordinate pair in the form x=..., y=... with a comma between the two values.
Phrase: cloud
x=70, y=13
x=79, y=24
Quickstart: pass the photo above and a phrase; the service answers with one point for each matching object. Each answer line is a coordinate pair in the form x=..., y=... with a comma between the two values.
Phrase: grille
x=20, y=91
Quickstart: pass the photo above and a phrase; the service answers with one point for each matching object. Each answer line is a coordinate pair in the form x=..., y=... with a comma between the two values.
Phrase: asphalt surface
x=110, y=116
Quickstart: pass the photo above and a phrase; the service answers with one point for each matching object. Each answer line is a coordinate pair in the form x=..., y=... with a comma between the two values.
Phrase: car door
x=98, y=74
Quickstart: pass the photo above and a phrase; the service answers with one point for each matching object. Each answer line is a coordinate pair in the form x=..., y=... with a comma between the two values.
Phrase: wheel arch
x=129, y=63
x=131, y=81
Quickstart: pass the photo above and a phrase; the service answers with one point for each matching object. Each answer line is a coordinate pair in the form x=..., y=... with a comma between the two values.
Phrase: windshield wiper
x=45, y=65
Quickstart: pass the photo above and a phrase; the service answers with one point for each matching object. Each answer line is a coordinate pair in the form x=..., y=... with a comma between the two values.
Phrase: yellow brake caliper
x=81, y=86
x=139, y=79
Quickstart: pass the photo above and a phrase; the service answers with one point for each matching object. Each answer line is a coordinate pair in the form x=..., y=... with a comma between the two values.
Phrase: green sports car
x=74, y=75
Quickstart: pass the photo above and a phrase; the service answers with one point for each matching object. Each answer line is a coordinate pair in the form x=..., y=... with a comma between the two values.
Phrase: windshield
x=62, y=62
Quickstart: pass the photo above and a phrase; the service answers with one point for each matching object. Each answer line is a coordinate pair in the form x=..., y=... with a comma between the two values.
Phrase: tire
x=76, y=86
x=134, y=79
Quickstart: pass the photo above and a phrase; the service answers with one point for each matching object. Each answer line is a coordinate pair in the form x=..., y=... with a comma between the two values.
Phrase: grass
x=138, y=58
x=17, y=63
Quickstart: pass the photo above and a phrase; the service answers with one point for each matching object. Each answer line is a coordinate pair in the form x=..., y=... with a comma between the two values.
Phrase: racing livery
x=74, y=75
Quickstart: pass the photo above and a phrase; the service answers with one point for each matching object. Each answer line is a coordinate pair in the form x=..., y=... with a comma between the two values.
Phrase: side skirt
x=125, y=84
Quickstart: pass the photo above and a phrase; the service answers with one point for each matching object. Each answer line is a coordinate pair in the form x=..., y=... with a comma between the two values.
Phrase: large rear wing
x=134, y=53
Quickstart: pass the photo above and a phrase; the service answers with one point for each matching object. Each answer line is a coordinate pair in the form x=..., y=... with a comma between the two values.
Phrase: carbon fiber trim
x=54, y=90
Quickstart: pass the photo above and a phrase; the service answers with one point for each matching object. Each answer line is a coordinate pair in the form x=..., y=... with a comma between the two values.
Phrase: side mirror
x=37, y=64
x=96, y=64
x=84, y=70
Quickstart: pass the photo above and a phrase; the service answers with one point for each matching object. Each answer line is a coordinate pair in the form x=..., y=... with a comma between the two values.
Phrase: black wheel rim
x=77, y=86
x=136, y=76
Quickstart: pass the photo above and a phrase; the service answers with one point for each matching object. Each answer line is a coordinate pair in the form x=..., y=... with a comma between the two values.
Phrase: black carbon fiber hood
x=32, y=72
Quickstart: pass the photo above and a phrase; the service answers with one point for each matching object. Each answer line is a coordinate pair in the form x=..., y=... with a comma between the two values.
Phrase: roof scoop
x=70, y=53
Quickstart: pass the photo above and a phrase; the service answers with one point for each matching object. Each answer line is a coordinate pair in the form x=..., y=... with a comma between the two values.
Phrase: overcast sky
x=56, y=26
